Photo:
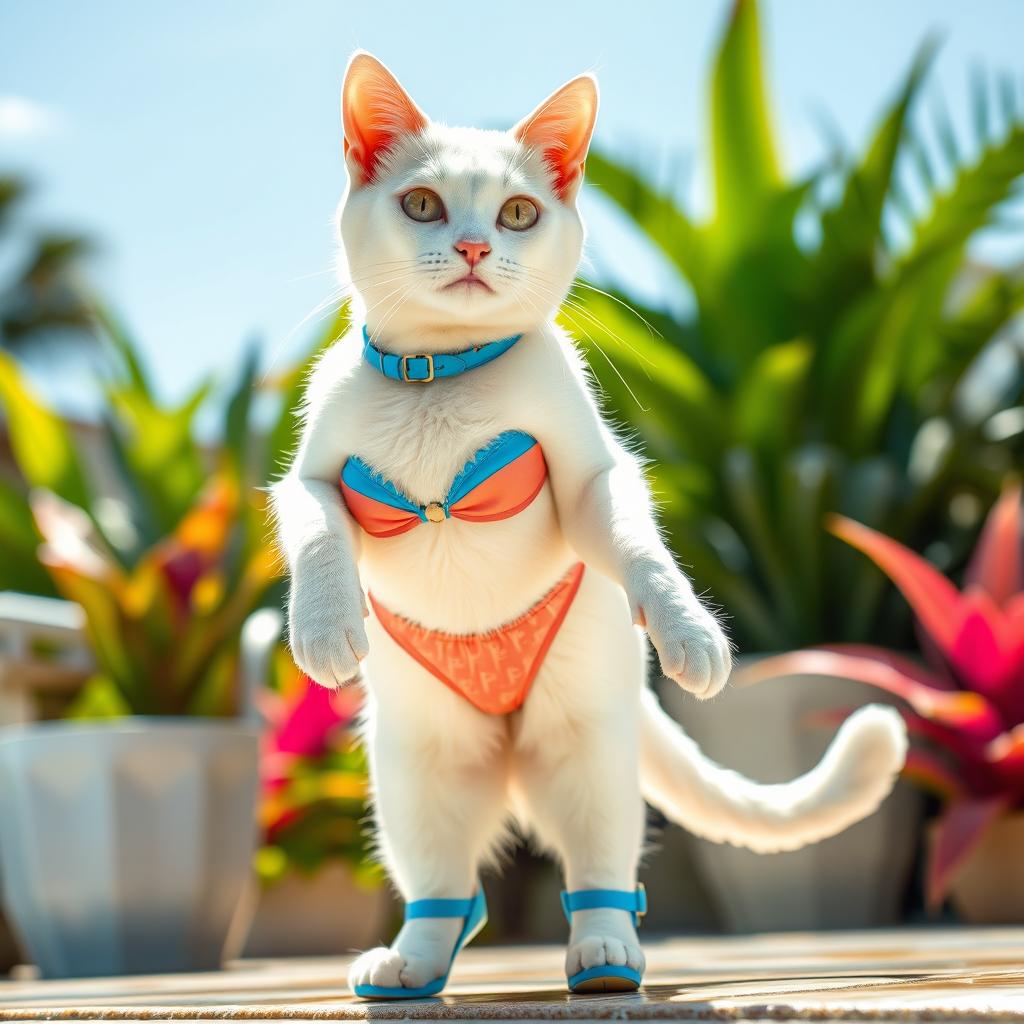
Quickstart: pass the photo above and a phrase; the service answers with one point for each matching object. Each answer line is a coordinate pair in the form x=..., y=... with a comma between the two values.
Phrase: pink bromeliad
x=965, y=704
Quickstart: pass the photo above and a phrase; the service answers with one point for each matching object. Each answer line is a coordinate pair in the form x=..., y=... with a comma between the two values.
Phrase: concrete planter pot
x=125, y=846
x=326, y=914
x=856, y=879
x=989, y=888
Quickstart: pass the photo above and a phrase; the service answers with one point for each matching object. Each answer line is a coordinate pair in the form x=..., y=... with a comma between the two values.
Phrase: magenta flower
x=965, y=706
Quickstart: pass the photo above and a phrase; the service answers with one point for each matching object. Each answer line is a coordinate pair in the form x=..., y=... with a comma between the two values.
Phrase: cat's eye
x=518, y=214
x=423, y=205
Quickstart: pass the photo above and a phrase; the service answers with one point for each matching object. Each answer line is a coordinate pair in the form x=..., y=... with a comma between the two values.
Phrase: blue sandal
x=608, y=977
x=474, y=910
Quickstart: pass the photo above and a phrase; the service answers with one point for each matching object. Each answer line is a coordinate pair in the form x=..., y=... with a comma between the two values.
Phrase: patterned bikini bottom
x=493, y=671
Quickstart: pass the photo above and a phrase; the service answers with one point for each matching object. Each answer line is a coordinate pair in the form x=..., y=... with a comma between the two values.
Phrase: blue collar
x=422, y=368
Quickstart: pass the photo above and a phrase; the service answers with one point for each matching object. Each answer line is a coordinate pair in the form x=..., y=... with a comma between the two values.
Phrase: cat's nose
x=472, y=252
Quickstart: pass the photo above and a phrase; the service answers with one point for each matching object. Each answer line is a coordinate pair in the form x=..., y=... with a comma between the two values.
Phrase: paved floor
x=926, y=975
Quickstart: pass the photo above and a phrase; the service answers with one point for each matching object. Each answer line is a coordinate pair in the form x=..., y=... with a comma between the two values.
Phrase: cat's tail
x=856, y=773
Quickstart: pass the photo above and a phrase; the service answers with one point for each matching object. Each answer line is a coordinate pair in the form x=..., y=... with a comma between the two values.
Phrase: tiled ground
x=941, y=974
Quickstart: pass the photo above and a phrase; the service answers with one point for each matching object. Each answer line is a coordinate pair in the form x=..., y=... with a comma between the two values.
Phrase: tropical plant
x=315, y=791
x=966, y=704
x=42, y=299
x=830, y=362
x=162, y=539
x=163, y=633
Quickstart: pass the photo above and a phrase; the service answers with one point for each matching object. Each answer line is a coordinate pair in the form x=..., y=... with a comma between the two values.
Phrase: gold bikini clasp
x=435, y=512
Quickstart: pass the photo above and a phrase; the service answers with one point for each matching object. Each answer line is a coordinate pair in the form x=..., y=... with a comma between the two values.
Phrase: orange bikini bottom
x=493, y=671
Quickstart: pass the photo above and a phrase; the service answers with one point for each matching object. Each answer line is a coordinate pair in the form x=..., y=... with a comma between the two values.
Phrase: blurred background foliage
x=41, y=300
x=314, y=781
x=843, y=353
x=161, y=537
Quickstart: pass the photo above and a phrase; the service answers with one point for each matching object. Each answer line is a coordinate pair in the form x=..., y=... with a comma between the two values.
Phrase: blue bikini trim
x=490, y=459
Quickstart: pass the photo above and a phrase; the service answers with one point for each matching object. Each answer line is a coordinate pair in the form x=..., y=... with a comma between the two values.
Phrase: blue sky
x=199, y=141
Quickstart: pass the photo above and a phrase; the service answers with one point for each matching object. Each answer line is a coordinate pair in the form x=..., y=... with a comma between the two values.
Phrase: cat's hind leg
x=438, y=769
x=576, y=777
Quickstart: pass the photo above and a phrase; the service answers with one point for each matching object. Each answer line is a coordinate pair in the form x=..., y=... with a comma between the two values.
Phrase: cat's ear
x=561, y=128
x=375, y=112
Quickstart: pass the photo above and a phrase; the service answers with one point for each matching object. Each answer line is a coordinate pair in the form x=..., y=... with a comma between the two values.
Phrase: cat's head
x=460, y=232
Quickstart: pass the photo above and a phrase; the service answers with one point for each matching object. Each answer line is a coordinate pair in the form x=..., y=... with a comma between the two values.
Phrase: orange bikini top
x=498, y=482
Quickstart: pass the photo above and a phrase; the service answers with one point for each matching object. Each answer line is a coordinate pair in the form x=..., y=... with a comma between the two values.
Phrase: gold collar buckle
x=403, y=365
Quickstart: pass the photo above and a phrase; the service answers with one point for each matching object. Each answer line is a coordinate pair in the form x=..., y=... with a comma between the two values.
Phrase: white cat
x=456, y=237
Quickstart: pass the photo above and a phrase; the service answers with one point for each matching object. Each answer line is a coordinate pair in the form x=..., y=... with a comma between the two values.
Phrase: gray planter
x=126, y=845
x=856, y=879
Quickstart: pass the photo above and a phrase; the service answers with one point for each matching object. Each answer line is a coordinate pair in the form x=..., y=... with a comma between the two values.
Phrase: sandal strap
x=635, y=901
x=438, y=908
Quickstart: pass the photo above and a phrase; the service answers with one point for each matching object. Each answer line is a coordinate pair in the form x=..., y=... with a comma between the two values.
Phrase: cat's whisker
x=588, y=334
x=608, y=359
x=537, y=278
x=384, y=298
x=326, y=306
x=384, y=281
x=533, y=272
x=579, y=283
x=309, y=277
x=595, y=320
x=389, y=314
x=614, y=335
x=387, y=318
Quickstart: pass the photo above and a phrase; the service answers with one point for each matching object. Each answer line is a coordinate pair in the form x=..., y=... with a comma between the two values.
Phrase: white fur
x=572, y=764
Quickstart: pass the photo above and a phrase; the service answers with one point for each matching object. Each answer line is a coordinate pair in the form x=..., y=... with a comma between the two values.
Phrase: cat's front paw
x=600, y=950
x=390, y=968
x=693, y=649
x=325, y=629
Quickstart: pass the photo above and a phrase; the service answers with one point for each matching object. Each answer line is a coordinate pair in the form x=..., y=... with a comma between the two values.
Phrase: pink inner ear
x=376, y=112
x=561, y=128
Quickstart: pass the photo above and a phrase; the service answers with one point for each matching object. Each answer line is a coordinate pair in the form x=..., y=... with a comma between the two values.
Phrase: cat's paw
x=399, y=968
x=325, y=628
x=692, y=647
x=599, y=950
x=381, y=966
x=602, y=936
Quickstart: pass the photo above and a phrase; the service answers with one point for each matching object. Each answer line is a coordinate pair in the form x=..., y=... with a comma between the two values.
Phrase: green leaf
x=19, y=540
x=12, y=191
x=977, y=191
x=237, y=428
x=964, y=333
x=766, y=409
x=981, y=111
x=647, y=378
x=655, y=213
x=125, y=350
x=753, y=623
x=110, y=637
x=751, y=513
x=893, y=340
x=745, y=161
x=99, y=698
x=806, y=494
x=42, y=443
x=852, y=231
x=163, y=457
